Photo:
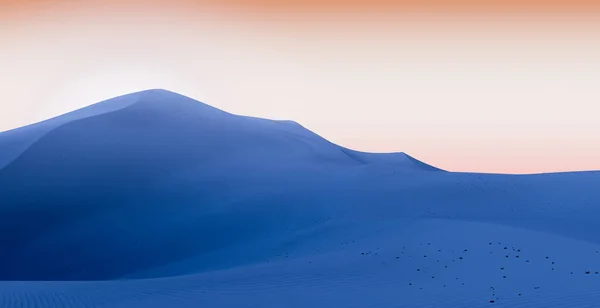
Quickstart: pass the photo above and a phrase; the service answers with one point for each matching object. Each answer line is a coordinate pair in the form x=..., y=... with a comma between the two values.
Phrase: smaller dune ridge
x=153, y=199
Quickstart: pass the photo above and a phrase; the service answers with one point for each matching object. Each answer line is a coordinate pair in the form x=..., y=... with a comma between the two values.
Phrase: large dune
x=153, y=199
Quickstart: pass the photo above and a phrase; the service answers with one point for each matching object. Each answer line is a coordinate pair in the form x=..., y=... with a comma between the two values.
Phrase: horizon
x=397, y=152
x=505, y=87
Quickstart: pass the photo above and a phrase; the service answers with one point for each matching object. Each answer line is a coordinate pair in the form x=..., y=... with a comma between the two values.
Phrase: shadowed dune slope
x=119, y=165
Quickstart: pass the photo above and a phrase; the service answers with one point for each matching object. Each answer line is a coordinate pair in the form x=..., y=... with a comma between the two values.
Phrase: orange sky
x=288, y=10
x=426, y=5
x=341, y=5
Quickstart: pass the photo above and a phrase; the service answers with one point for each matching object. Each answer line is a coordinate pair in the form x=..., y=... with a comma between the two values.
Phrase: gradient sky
x=491, y=86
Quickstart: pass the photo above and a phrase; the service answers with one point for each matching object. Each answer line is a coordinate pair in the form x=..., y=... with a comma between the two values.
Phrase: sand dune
x=156, y=200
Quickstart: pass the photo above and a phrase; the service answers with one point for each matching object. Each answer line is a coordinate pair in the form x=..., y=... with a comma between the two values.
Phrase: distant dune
x=153, y=199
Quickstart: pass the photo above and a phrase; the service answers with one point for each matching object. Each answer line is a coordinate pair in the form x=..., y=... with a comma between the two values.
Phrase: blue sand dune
x=153, y=199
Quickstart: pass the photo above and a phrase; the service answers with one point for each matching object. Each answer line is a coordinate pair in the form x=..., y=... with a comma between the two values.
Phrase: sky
x=485, y=86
